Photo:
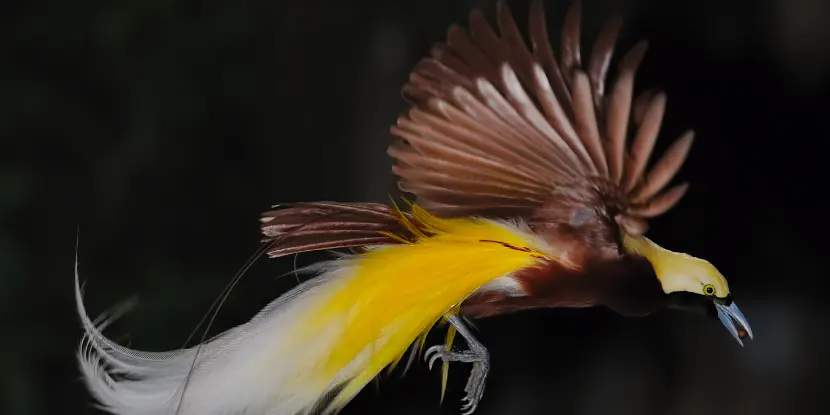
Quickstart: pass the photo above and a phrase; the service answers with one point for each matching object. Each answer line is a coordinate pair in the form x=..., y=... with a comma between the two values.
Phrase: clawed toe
x=469, y=407
x=477, y=355
x=434, y=353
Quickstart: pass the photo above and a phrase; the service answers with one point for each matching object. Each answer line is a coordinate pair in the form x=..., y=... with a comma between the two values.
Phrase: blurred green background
x=161, y=129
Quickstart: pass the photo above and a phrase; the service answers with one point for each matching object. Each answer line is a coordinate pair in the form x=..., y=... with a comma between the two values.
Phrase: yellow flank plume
x=396, y=294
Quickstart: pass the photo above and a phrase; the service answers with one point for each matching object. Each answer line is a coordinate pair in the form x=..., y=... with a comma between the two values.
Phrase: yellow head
x=679, y=272
x=682, y=274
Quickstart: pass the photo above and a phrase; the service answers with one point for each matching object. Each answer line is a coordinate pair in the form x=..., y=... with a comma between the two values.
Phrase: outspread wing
x=502, y=128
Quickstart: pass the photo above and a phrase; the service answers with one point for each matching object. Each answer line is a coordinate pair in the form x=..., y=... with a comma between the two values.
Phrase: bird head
x=691, y=284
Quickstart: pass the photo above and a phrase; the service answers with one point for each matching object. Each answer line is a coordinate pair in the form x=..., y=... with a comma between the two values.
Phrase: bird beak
x=731, y=317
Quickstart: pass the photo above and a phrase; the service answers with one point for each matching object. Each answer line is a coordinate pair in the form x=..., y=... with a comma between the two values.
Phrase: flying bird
x=533, y=183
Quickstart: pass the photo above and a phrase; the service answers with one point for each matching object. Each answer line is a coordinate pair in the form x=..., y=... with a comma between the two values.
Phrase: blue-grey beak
x=731, y=317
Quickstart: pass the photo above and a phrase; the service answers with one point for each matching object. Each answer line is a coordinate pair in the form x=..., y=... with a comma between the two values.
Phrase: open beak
x=731, y=317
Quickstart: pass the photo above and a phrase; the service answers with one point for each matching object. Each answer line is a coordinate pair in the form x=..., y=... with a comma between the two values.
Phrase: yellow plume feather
x=396, y=294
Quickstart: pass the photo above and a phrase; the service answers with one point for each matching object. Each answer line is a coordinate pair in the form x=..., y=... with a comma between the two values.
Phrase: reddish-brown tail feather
x=314, y=226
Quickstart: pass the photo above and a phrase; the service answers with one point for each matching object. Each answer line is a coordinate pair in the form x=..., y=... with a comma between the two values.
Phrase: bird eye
x=709, y=289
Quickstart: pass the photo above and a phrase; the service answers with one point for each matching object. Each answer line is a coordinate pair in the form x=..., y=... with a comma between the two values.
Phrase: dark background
x=163, y=128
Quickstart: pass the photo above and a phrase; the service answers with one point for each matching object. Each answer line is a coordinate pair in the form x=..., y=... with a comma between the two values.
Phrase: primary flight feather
x=533, y=189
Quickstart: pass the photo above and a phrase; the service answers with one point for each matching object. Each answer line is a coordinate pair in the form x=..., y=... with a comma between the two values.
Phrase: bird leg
x=476, y=354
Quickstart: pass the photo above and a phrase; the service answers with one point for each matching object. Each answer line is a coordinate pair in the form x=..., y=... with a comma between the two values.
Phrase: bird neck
x=668, y=265
x=640, y=245
x=627, y=285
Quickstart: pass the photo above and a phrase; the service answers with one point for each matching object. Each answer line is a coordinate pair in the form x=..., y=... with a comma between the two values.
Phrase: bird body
x=528, y=195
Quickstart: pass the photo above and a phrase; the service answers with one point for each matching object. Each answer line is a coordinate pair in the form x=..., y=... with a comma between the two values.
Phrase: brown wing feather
x=543, y=52
x=571, y=33
x=501, y=127
x=644, y=142
x=586, y=121
x=313, y=226
x=601, y=58
x=665, y=169
x=619, y=108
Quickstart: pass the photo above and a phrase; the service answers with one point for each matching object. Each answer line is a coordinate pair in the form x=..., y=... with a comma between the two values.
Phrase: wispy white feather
x=260, y=367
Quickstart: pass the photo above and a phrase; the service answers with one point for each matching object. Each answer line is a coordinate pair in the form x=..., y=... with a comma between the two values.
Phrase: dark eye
x=709, y=289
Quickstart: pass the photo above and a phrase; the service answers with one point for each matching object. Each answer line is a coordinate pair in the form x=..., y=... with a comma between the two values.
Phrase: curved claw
x=432, y=361
x=469, y=408
x=435, y=351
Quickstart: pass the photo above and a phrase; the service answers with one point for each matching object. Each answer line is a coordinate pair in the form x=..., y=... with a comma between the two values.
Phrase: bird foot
x=478, y=356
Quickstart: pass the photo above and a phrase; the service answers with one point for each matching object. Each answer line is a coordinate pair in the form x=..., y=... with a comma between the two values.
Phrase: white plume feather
x=260, y=367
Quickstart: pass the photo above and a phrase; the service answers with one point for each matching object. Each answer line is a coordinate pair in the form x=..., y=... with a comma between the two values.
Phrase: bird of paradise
x=527, y=195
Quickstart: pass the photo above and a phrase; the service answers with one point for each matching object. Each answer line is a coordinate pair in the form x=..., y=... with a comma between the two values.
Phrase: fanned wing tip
x=660, y=204
x=571, y=34
x=665, y=169
x=508, y=28
x=488, y=43
x=543, y=52
x=601, y=56
x=618, y=110
x=586, y=121
x=644, y=140
x=500, y=122
x=642, y=104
